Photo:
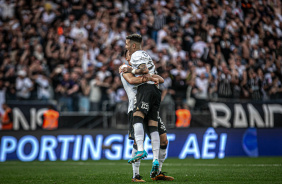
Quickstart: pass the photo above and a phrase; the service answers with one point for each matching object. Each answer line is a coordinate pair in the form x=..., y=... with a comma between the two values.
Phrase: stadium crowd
x=70, y=51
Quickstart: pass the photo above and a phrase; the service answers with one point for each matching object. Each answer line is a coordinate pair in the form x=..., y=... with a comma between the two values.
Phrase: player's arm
x=161, y=80
x=155, y=78
x=142, y=69
x=131, y=79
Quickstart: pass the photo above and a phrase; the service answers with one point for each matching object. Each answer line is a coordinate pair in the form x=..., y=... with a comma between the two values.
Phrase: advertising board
x=198, y=143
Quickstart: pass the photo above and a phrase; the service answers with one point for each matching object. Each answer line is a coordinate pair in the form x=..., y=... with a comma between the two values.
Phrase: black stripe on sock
x=153, y=129
x=163, y=146
x=137, y=119
x=135, y=146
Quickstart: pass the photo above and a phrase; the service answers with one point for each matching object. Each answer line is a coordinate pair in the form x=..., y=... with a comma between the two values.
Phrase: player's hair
x=125, y=52
x=135, y=37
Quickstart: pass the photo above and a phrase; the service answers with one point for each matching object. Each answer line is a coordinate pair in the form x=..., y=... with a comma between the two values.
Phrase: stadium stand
x=70, y=51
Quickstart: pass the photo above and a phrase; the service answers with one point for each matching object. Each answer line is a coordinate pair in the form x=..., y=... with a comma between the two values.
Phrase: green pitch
x=266, y=170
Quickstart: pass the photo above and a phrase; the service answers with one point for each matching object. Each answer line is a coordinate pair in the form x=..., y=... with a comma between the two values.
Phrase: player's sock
x=136, y=165
x=133, y=153
x=162, y=156
x=155, y=139
x=138, y=132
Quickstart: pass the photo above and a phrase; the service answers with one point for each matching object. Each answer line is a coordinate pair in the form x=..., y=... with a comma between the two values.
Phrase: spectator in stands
x=95, y=94
x=78, y=32
x=224, y=83
x=67, y=88
x=6, y=118
x=2, y=95
x=8, y=9
x=199, y=46
x=163, y=37
x=103, y=73
x=159, y=21
x=254, y=85
x=178, y=89
x=105, y=87
x=60, y=37
x=24, y=86
x=201, y=86
x=84, y=103
x=275, y=91
x=43, y=87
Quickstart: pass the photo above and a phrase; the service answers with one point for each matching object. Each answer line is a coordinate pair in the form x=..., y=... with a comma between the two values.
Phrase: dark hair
x=135, y=37
x=125, y=52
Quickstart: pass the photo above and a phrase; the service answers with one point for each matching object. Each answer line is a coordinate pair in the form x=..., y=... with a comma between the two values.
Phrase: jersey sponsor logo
x=145, y=106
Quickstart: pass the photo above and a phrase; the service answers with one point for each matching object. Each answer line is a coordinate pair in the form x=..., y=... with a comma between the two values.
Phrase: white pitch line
x=167, y=164
x=227, y=165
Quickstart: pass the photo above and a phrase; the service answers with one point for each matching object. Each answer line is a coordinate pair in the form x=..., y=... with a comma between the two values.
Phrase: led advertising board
x=198, y=143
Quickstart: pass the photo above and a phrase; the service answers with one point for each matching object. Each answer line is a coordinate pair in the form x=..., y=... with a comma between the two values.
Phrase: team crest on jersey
x=145, y=106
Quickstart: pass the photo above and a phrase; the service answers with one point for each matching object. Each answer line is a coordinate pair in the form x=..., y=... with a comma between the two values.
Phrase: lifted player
x=129, y=81
x=147, y=101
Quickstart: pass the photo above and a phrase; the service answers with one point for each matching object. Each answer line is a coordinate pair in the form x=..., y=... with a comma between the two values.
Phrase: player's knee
x=137, y=119
x=152, y=129
x=163, y=140
x=138, y=113
x=153, y=123
x=164, y=143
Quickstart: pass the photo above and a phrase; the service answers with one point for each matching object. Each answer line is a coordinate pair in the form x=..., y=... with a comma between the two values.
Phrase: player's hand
x=127, y=69
x=156, y=80
x=146, y=77
x=120, y=69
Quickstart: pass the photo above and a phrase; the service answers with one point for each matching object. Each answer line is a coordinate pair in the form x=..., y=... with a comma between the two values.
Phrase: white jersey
x=141, y=57
x=131, y=91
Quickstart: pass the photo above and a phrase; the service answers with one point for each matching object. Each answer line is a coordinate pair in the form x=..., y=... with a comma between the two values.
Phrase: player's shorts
x=148, y=100
x=161, y=126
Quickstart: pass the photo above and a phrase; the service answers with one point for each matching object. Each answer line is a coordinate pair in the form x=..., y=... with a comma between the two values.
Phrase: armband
x=133, y=71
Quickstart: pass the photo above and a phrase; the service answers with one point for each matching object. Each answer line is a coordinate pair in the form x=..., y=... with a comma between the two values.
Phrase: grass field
x=267, y=170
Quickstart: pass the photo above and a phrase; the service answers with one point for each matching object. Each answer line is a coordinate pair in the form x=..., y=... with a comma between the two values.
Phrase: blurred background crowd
x=69, y=51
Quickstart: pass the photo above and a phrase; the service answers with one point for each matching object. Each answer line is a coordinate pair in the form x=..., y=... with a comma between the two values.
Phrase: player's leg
x=135, y=166
x=153, y=115
x=138, y=118
x=155, y=138
x=155, y=141
x=163, y=146
x=163, y=150
x=139, y=137
x=162, y=175
x=163, y=141
x=141, y=108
